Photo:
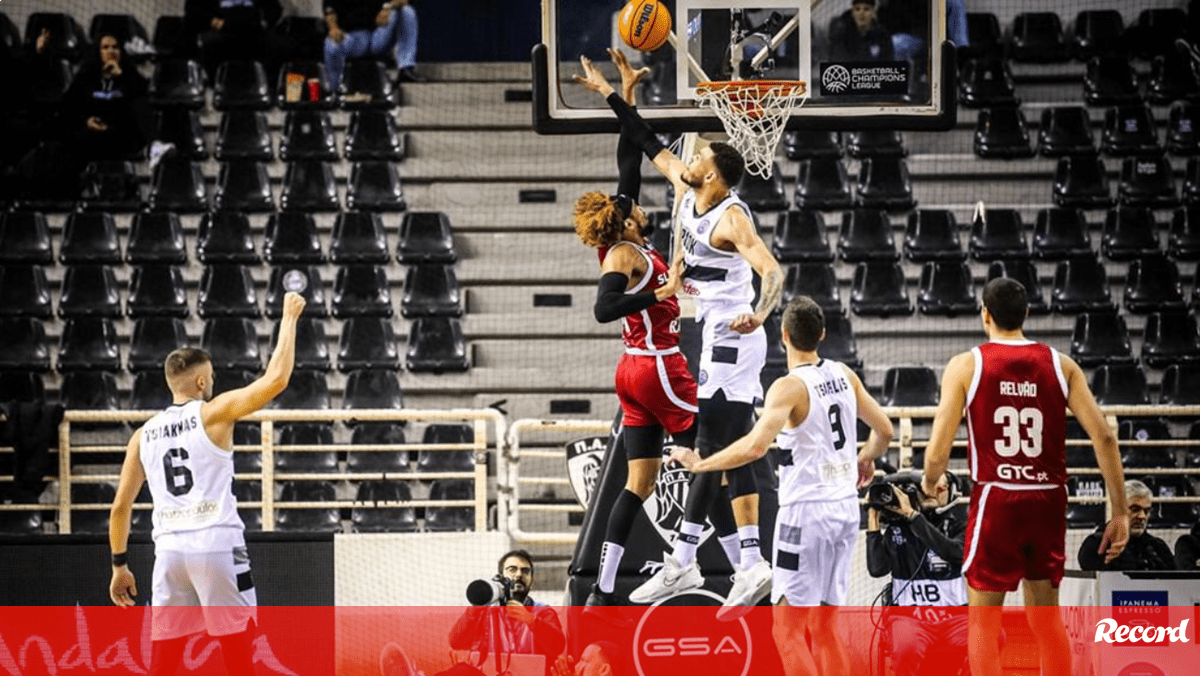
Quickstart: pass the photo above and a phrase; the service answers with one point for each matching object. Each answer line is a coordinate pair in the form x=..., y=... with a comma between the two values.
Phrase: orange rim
x=758, y=86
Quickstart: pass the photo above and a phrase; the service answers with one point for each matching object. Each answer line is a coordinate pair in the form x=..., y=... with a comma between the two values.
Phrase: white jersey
x=821, y=453
x=720, y=281
x=190, y=478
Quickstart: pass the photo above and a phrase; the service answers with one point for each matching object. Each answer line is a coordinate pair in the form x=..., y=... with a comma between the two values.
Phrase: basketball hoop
x=755, y=113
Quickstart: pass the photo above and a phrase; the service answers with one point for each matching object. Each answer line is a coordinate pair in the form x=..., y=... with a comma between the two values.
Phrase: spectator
x=909, y=22
x=233, y=30
x=105, y=115
x=858, y=35
x=1144, y=551
x=1187, y=549
x=360, y=28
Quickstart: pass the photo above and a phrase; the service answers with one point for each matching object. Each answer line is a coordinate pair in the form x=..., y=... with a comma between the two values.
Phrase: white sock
x=610, y=561
x=750, y=552
x=732, y=544
x=687, y=542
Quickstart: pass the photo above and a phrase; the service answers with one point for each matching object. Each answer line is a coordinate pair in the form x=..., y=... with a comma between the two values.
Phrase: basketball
x=645, y=24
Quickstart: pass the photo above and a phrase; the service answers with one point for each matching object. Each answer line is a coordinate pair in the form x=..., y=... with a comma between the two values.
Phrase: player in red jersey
x=637, y=286
x=1015, y=393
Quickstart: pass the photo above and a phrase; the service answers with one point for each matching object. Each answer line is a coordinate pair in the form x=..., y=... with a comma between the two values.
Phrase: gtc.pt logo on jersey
x=671, y=639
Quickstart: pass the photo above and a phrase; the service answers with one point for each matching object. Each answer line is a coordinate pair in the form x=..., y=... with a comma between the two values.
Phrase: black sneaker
x=410, y=74
x=599, y=598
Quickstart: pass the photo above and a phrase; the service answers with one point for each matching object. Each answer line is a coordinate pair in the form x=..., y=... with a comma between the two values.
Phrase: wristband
x=120, y=559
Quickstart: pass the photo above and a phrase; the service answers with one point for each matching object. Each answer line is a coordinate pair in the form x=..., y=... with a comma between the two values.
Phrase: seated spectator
x=1187, y=549
x=105, y=115
x=360, y=28
x=1144, y=551
x=908, y=20
x=857, y=35
x=234, y=30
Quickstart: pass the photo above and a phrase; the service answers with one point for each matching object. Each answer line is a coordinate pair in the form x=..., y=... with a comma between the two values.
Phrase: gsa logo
x=836, y=78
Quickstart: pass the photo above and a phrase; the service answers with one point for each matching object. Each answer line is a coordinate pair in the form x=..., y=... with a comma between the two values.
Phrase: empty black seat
x=875, y=143
x=155, y=237
x=373, y=388
x=178, y=186
x=22, y=386
x=225, y=380
x=986, y=82
x=307, y=135
x=367, y=343
x=946, y=289
x=822, y=183
x=241, y=84
x=1110, y=81
x=25, y=238
x=1098, y=32
x=1037, y=37
x=910, y=386
x=90, y=291
x=443, y=519
x=91, y=520
x=932, y=234
x=1129, y=130
x=1100, y=338
x=866, y=234
x=181, y=128
x=998, y=234
x=224, y=237
x=312, y=348
x=24, y=292
x=308, y=70
x=369, y=79
x=157, y=291
x=153, y=339
x=1191, y=181
x=431, y=291
x=1065, y=130
x=1085, y=514
x=227, y=291
x=1002, y=132
x=177, y=82
x=1147, y=181
x=358, y=237
x=763, y=194
x=1181, y=385
x=169, y=38
x=305, y=434
x=309, y=186
x=1173, y=514
x=244, y=135
x=372, y=436
x=884, y=183
x=800, y=236
x=425, y=237
x=307, y=520
x=815, y=280
x=149, y=392
x=1026, y=273
x=90, y=238
x=110, y=185
x=89, y=344
x=1080, y=285
x=1129, y=233
x=23, y=345
x=67, y=39
x=878, y=290
x=1081, y=181
x=461, y=460
x=839, y=343
x=361, y=290
x=375, y=186
x=305, y=33
x=1170, y=338
x=1171, y=79
x=89, y=391
x=306, y=390
x=1060, y=233
x=1183, y=242
x=243, y=186
x=370, y=517
x=1183, y=129
x=304, y=280
x=437, y=344
x=1153, y=284
x=10, y=35
x=805, y=144
x=373, y=135
x=1143, y=430
x=983, y=35
x=232, y=343
x=292, y=238
x=1156, y=30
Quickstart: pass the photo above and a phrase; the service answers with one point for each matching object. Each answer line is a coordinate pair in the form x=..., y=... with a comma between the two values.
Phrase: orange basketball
x=644, y=24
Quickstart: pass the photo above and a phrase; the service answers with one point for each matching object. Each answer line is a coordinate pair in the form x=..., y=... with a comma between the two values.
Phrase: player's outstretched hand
x=866, y=472
x=629, y=76
x=745, y=323
x=293, y=305
x=685, y=456
x=123, y=588
x=593, y=79
x=1116, y=536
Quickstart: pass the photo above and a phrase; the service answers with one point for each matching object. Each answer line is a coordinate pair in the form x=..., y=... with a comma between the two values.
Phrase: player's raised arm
x=787, y=397
x=750, y=246
x=870, y=412
x=123, y=588
x=949, y=416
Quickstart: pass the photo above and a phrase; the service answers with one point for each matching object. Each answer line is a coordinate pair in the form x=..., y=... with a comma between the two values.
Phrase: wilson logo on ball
x=644, y=24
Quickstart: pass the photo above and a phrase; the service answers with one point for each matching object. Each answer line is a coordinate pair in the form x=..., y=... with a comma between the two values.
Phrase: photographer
x=922, y=549
x=526, y=627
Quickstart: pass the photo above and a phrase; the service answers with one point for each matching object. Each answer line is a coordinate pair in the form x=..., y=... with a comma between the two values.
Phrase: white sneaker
x=750, y=585
x=670, y=580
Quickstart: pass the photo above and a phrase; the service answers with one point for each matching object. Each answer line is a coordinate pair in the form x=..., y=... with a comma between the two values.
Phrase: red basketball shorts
x=1014, y=534
x=656, y=390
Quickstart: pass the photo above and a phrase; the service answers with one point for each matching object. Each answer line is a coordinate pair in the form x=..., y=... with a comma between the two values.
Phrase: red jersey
x=655, y=329
x=1016, y=415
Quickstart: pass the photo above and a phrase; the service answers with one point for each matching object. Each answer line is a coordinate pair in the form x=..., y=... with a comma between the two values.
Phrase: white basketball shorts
x=814, y=542
x=731, y=361
x=206, y=591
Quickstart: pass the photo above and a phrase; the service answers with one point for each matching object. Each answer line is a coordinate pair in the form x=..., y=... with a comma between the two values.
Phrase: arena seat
x=436, y=344
x=23, y=345
x=89, y=391
x=124, y=27
x=875, y=143
x=21, y=523
x=110, y=185
x=998, y=234
x=372, y=388
x=177, y=82
x=225, y=380
x=1191, y=181
x=945, y=289
x=310, y=70
x=373, y=135
x=1172, y=514
x=822, y=183
x=1183, y=241
x=25, y=238
x=375, y=186
x=90, y=520
x=1002, y=132
x=1060, y=233
x=878, y=290
x=181, y=127
x=1129, y=130
x=227, y=290
x=224, y=237
x=362, y=291
x=983, y=35
x=241, y=85
x=178, y=185
x=1129, y=233
x=67, y=39
x=1098, y=33
x=22, y=386
x=1081, y=182
x=243, y=186
x=1156, y=30
x=447, y=461
x=662, y=232
x=1145, y=429
x=170, y=41
x=1080, y=285
x=986, y=82
x=307, y=279
x=244, y=135
x=312, y=348
x=1089, y=514
x=932, y=234
x=370, y=77
x=308, y=135
x=431, y=291
x=309, y=186
x=367, y=343
x=155, y=238
x=89, y=344
x=305, y=434
x=307, y=390
x=248, y=491
x=1100, y=338
x=157, y=291
x=866, y=235
x=1120, y=385
x=800, y=236
x=425, y=237
x=1110, y=81
x=10, y=35
x=1183, y=129
x=805, y=144
x=24, y=292
x=1171, y=79
x=1181, y=385
x=232, y=343
x=292, y=237
x=297, y=520
x=150, y=391
x=1037, y=37
x=52, y=79
x=909, y=386
x=839, y=343
x=1147, y=181
x=90, y=238
x=1152, y=284
x=443, y=519
x=815, y=280
x=1170, y=338
x=386, y=519
x=884, y=183
x=90, y=291
x=377, y=434
x=306, y=33
x=763, y=194
x=1065, y=130
x=358, y=238
x=152, y=340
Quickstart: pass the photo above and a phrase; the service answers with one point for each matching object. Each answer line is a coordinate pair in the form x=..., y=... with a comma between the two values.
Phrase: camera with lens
x=486, y=592
x=881, y=497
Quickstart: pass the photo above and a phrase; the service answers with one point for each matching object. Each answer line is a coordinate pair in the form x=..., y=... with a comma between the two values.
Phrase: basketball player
x=1015, y=393
x=722, y=250
x=185, y=454
x=811, y=413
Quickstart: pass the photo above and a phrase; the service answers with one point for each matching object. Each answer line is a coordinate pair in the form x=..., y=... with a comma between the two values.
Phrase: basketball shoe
x=750, y=585
x=670, y=580
x=393, y=662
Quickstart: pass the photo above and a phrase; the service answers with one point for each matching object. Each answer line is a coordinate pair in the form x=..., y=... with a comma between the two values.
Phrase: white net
x=755, y=114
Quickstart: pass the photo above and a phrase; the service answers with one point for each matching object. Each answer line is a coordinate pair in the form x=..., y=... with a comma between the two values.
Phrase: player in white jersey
x=202, y=578
x=811, y=413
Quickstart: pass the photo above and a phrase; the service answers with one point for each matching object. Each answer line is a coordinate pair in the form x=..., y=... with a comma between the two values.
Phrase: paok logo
x=836, y=78
x=682, y=634
x=1109, y=630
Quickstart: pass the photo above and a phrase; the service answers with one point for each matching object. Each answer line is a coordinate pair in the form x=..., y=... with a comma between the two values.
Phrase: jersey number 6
x=178, y=476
